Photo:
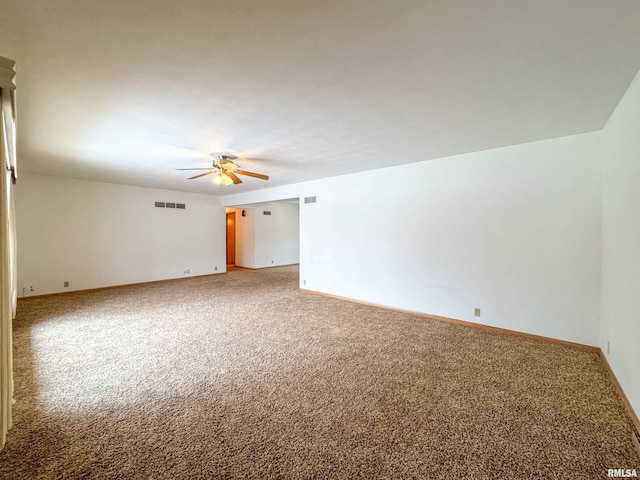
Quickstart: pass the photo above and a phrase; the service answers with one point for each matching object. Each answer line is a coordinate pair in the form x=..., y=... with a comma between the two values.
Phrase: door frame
x=231, y=238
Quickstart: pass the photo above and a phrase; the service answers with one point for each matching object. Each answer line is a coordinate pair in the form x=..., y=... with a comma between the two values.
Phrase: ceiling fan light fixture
x=224, y=171
x=222, y=179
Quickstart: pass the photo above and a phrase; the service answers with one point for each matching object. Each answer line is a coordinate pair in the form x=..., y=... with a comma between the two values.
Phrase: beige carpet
x=243, y=376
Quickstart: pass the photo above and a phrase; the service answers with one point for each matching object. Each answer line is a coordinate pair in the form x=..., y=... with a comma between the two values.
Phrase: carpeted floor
x=243, y=376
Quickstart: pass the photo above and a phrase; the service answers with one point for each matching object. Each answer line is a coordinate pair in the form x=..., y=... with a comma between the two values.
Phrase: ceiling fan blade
x=233, y=177
x=201, y=175
x=252, y=174
x=207, y=168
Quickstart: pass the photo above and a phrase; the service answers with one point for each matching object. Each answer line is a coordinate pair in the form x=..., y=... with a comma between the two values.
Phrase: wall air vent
x=313, y=199
x=266, y=212
x=181, y=206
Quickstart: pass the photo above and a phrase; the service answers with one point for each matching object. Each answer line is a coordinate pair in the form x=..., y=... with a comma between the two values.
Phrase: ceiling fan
x=225, y=171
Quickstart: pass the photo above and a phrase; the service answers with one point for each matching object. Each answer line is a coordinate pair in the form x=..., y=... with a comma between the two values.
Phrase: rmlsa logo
x=622, y=473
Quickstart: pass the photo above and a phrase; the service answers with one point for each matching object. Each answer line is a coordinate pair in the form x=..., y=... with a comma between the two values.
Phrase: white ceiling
x=127, y=91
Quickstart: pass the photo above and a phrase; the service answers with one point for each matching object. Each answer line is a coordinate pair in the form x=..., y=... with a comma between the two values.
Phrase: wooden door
x=231, y=238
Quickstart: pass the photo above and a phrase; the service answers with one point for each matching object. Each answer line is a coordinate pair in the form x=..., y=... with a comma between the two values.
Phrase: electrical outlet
x=215, y=269
x=476, y=312
x=66, y=284
x=271, y=262
x=31, y=288
x=304, y=282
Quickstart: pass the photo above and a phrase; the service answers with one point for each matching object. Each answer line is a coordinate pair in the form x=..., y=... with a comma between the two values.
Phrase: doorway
x=231, y=239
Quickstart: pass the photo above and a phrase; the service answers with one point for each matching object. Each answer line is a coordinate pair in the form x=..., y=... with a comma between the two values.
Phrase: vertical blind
x=8, y=271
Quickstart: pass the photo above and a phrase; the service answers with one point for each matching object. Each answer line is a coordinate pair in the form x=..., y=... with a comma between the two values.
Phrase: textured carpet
x=243, y=376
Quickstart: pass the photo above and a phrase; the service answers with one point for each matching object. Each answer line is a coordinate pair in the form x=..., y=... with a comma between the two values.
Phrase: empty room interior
x=320, y=239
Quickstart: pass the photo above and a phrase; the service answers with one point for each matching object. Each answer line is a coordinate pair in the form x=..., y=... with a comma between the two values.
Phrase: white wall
x=514, y=231
x=10, y=29
x=267, y=240
x=620, y=315
x=96, y=234
x=277, y=235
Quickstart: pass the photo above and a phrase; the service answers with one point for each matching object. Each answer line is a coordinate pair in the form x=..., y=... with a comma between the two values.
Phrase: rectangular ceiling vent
x=160, y=204
x=312, y=199
x=181, y=205
x=266, y=212
x=170, y=205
